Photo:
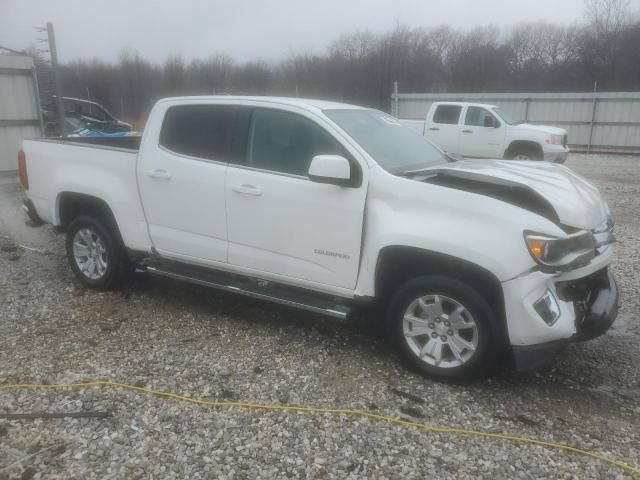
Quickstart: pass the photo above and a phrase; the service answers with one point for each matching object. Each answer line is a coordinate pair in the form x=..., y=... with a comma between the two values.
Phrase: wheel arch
x=397, y=264
x=516, y=145
x=70, y=205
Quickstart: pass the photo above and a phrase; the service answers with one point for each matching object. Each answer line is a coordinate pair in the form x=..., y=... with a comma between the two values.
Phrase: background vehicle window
x=286, y=142
x=447, y=114
x=97, y=112
x=476, y=117
x=198, y=131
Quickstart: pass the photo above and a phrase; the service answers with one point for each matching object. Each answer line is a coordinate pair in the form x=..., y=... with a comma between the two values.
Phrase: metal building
x=20, y=115
x=602, y=122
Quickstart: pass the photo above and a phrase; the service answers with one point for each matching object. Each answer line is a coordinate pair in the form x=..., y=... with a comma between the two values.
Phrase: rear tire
x=95, y=256
x=443, y=328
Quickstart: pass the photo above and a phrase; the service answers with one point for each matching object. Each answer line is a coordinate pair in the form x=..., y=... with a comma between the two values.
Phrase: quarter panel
x=105, y=173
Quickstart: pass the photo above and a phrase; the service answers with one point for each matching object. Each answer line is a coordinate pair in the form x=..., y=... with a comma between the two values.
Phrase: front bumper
x=595, y=298
x=556, y=153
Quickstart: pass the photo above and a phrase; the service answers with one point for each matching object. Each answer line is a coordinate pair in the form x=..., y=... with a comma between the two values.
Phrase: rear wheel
x=94, y=254
x=442, y=327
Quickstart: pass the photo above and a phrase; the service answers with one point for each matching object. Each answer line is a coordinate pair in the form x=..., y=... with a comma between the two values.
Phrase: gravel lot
x=210, y=345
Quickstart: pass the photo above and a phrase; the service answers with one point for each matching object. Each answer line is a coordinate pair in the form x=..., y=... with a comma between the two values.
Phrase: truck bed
x=101, y=167
x=127, y=143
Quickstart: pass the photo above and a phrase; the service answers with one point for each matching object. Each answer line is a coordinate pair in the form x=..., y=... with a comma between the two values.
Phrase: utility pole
x=395, y=106
x=593, y=115
x=56, y=76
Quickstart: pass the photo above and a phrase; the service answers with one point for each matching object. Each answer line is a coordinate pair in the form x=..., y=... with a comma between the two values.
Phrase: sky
x=246, y=30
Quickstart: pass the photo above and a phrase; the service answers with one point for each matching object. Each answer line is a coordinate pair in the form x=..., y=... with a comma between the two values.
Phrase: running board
x=250, y=287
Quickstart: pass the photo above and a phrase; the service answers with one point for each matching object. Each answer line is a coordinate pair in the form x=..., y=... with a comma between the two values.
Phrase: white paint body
x=280, y=227
x=486, y=142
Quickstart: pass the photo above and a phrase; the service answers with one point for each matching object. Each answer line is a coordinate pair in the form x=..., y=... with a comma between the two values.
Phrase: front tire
x=526, y=154
x=94, y=254
x=443, y=327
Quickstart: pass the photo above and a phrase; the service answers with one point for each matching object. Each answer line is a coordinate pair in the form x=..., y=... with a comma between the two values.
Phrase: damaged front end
x=551, y=191
x=596, y=299
x=506, y=191
x=567, y=294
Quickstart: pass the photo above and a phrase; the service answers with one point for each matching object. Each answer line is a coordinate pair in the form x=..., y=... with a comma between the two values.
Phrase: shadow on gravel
x=356, y=333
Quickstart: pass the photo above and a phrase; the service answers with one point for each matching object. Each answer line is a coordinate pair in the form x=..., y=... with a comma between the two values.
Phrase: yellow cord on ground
x=335, y=411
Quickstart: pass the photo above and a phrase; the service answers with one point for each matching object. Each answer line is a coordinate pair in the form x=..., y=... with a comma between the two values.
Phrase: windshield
x=504, y=116
x=394, y=146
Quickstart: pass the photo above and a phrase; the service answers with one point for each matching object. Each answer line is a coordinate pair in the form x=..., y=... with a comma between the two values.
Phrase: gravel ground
x=210, y=345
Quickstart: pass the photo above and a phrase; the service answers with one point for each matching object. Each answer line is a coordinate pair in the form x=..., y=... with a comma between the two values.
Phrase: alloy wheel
x=90, y=254
x=440, y=331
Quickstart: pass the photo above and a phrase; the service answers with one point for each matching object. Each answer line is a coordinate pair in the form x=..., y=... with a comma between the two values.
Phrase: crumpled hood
x=575, y=200
x=543, y=129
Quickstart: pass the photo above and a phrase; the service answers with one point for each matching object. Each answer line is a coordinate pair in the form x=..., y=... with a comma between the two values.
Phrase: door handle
x=434, y=128
x=467, y=131
x=159, y=173
x=247, y=189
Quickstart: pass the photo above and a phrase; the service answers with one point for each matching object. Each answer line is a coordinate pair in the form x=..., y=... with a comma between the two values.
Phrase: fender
x=474, y=228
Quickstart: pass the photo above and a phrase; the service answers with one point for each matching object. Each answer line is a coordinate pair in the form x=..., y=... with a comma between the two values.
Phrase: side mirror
x=331, y=169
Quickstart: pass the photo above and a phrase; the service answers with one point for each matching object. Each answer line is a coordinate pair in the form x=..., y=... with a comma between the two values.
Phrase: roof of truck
x=298, y=102
x=466, y=104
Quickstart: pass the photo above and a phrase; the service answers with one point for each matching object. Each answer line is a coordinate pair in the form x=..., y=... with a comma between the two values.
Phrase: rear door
x=482, y=135
x=181, y=181
x=443, y=128
x=282, y=223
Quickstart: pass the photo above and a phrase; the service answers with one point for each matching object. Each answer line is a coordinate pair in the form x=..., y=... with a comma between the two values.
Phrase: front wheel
x=94, y=254
x=525, y=154
x=442, y=327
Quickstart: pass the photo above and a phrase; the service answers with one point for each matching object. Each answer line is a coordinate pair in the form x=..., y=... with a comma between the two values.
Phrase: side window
x=202, y=131
x=447, y=114
x=477, y=116
x=286, y=142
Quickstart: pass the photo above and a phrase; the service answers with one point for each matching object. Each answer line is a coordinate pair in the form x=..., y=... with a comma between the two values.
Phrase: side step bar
x=261, y=289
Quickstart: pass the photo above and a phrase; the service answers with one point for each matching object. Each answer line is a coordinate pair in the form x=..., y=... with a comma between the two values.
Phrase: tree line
x=361, y=67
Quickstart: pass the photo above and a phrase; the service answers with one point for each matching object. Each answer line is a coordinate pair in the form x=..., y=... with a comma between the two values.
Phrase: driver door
x=482, y=135
x=279, y=221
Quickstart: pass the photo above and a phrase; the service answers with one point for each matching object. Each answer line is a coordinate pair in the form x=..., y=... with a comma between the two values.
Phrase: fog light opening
x=548, y=309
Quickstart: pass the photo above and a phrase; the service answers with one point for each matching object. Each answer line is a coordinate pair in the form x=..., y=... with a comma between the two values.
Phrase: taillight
x=22, y=170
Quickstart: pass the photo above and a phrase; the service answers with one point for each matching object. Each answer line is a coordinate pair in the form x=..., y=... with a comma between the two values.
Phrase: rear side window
x=286, y=142
x=447, y=114
x=202, y=131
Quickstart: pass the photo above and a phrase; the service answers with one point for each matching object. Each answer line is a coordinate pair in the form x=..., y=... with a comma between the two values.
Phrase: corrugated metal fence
x=20, y=115
x=604, y=122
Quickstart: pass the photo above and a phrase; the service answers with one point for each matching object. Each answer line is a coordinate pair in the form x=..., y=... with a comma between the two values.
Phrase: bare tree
x=607, y=16
x=361, y=67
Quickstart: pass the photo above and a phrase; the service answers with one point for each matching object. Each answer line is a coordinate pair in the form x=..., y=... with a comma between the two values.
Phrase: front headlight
x=555, y=139
x=565, y=253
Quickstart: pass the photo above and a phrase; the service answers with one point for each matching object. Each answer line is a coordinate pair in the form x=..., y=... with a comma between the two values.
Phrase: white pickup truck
x=336, y=208
x=475, y=130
